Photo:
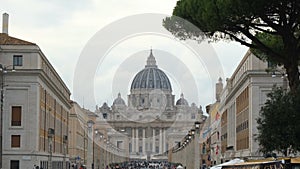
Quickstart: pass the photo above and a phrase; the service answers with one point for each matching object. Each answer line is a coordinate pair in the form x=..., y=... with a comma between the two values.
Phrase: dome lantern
x=151, y=62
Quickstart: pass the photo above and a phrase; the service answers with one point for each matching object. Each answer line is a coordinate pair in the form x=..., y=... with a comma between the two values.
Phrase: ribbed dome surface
x=182, y=101
x=119, y=100
x=151, y=77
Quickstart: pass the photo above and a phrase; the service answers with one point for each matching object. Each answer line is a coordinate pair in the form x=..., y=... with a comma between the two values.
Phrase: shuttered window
x=16, y=115
x=15, y=141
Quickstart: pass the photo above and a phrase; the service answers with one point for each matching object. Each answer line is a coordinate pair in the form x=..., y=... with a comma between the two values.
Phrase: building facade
x=78, y=135
x=241, y=100
x=152, y=122
x=35, y=108
x=88, y=146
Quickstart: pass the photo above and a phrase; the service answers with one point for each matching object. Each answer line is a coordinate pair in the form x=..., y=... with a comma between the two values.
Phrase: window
x=156, y=149
x=140, y=149
x=16, y=115
x=105, y=115
x=193, y=116
x=130, y=147
x=119, y=144
x=15, y=141
x=156, y=132
x=140, y=132
x=18, y=60
x=14, y=164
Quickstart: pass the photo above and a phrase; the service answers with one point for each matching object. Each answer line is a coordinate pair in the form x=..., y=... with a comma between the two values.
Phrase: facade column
x=132, y=141
x=144, y=141
x=153, y=140
x=137, y=140
x=160, y=140
x=164, y=140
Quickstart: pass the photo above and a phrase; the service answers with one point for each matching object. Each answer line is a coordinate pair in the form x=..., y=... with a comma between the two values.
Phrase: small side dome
x=182, y=101
x=119, y=100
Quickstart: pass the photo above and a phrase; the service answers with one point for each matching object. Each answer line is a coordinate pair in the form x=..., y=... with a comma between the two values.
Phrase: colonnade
x=187, y=152
x=143, y=139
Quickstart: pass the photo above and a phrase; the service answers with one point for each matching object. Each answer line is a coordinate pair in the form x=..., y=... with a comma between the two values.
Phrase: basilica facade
x=151, y=122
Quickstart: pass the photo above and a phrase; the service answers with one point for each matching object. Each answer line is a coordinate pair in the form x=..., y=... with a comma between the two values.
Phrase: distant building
x=152, y=122
x=78, y=135
x=35, y=103
x=210, y=141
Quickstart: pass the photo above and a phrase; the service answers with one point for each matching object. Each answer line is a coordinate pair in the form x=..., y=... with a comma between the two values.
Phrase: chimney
x=219, y=88
x=5, y=23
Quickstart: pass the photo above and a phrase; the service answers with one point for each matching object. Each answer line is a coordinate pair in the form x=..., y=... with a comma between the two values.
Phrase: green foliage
x=273, y=42
x=178, y=27
x=278, y=124
x=271, y=28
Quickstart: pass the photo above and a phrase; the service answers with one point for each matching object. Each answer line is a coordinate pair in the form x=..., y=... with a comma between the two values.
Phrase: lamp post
x=3, y=70
x=90, y=124
x=197, y=144
x=275, y=71
x=95, y=162
x=50, y=137
x=284, y=78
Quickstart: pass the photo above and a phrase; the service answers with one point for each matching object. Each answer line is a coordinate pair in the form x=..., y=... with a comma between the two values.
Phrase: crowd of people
x=129, y=165
x=144, y=165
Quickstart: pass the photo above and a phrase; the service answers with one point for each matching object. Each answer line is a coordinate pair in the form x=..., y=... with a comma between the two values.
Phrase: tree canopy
x=278, y=124
x=271, y=28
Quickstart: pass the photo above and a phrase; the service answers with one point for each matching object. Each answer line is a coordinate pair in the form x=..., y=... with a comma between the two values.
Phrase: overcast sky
x=69, y=32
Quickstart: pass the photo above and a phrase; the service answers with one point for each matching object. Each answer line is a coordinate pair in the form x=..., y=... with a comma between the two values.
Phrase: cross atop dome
x=151, y=62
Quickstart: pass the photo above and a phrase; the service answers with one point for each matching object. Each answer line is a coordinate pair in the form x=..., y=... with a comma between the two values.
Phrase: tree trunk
x=292, y=71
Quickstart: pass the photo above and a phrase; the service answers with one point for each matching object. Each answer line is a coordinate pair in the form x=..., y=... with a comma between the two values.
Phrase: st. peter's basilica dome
x=151, y=77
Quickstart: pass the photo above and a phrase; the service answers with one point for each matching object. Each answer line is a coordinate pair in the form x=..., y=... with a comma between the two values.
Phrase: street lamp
x=193, y=131
x=3, y=70
x=95, y=134
x=197, y=142
x=50, y=137
x=90, y=124
x=197, y=125
x=284, y=77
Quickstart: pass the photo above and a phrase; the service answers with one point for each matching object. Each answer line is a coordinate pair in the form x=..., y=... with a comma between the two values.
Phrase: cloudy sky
x=98, y=46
